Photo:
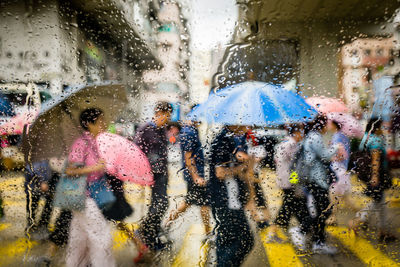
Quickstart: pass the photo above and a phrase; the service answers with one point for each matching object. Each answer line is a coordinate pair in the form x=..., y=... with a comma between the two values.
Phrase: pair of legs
x=90, y=240
x=204, y=212
x=150, y=227
x=234, y=237
x=33, y=195
x=340, y=191
x=293, y=205
x=379, y=209
x=257, y=204
x=323, y=211
x=196, y=195
x=59, y=237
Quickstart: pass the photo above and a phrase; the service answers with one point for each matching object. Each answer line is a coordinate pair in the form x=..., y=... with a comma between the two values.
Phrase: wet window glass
x=199, y=133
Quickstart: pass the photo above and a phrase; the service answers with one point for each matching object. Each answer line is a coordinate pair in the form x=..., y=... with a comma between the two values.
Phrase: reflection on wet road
x=188, y=234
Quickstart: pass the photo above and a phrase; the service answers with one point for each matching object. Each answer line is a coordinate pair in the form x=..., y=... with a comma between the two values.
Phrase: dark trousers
x=150, y=227
x=321, y=202
x=61, y=232
x=33, y=195
x=234, y=238
x=293, y=205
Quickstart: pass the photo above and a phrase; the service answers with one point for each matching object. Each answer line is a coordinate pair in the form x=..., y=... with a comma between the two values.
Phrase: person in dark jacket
x=152, y=139
x=234, y=239
x=193, y=173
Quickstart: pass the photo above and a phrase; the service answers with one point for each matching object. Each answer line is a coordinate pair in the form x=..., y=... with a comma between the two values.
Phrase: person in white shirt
x=294, y=204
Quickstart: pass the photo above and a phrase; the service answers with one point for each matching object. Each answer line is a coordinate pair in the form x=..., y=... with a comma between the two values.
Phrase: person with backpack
x=319, y=176
x=372, y=167
x=293, y=204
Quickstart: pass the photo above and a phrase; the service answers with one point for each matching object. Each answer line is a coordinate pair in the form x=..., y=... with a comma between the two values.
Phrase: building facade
x=360, y=63
x=63, y=43
x=300, y=41
x=168, y=83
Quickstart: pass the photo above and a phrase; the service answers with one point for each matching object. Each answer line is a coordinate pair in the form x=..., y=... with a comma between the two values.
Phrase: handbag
x=71, y=193
x=100, y=191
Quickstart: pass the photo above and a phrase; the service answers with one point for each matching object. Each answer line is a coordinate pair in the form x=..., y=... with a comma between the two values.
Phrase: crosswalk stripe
x=361, y=247
x=15, y=249
x=120, y=238
x=22, y=245
x=279, y=254
x=192, y=252
x=4, y=226
x=396, y=182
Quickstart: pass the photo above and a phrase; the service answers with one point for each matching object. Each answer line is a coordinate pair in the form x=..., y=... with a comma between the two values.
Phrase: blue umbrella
x=253, y=103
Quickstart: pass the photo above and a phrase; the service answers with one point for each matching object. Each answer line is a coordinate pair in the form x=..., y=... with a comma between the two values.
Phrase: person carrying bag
x=71, y=193
x=90, y=240
x=372, y=167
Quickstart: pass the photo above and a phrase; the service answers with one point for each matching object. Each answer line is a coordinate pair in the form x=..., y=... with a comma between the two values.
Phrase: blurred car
x=19, y=107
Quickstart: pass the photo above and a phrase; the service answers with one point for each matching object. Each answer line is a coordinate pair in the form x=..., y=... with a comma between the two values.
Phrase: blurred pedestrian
x=39, y=182
x=234, y=238
x=378, y=180
x=293, y=202
x=152, y=140
x=340, y=190
x=120, y=210
x=193, y=173
x=317, y=158
x=252, y=194
x=90, y=240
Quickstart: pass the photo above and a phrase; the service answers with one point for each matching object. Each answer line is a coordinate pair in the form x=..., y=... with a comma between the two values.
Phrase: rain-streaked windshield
x=199, y=133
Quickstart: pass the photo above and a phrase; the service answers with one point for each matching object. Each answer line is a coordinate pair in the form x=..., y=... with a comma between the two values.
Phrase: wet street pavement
x=187, y=233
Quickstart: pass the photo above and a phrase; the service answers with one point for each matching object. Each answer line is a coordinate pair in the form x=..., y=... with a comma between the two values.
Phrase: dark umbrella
x=57, y=126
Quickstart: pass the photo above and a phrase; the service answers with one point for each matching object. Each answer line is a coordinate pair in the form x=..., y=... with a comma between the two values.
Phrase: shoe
x=323, y=248
x=387, y=238
x=163, y=243
x=298, y=238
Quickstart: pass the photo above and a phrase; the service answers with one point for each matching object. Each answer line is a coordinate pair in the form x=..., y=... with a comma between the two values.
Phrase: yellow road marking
x=192, y=252
x=361, y=247
x=120, y=238
x=15, y=249
x=279, y=254
x=4, y=226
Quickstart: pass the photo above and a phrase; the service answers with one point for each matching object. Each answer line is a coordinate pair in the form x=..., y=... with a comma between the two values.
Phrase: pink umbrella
x=124, y=159
x=350, y=125
x=327, y=104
